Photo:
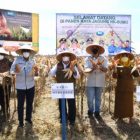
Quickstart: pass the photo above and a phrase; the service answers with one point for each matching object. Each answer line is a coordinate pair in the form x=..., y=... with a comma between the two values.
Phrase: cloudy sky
x=48, y=8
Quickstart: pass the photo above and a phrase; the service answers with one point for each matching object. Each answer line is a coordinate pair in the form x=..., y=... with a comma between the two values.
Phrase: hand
x=5, y=74
x=72, y=64
x=93, y=64
x=100, y=62
x=103, y=69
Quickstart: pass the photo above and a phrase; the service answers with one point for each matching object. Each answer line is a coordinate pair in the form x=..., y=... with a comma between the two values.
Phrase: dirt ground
x=46, y=124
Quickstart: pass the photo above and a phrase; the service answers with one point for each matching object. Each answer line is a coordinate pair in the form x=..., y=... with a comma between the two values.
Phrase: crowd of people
x=66, y=69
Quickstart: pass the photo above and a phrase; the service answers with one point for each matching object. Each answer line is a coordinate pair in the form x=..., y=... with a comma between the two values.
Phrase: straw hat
x=25, y=47
x=66, y=53
x=93, y=46
x=119, y=55
x=2, y=51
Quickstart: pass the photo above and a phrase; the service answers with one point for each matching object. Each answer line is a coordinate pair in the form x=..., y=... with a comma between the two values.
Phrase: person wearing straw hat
x=5, y=65
x=24, y=68
x=95, y=78
x=65, y=71
x=124, y=71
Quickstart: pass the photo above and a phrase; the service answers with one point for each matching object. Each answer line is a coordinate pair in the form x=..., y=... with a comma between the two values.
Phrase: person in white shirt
x=24, y=67
x=65, y=62
x=95, y=78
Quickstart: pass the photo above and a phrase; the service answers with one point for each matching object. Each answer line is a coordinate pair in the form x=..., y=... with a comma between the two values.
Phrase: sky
x=47, y=10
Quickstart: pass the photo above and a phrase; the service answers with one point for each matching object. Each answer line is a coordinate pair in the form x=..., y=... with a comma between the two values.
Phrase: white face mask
x=26, y=54
x=1, y=57
x=65, y=58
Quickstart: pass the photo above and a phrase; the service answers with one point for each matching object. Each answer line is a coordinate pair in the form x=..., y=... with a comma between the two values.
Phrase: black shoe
x=72, y=123
x=20, y=125
x=90, y=114
x=97, y=114
x=29, y=122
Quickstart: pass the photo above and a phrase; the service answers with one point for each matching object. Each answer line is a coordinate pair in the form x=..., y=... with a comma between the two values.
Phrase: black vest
x=60, y=75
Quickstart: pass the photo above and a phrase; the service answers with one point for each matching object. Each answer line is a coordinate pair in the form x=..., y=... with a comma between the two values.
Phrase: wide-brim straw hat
x=90, y=48
x=3, y=51
x=119, y=55
x=66, y=53
x=25, y=47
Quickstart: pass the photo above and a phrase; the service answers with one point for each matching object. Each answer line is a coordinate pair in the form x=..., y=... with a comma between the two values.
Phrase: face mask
x=65, y=58
x=1, y=56
x=95, y=51
x=26, y=54
x=124, y=59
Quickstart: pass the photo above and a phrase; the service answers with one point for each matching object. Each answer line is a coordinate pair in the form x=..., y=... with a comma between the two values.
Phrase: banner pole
x=63, y=110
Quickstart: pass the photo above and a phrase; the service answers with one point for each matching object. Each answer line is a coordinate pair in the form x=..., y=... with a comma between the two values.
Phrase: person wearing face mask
x=58, y=71
x=124, y=72
x=24, y=68
x=95, y=80
x=5, y=65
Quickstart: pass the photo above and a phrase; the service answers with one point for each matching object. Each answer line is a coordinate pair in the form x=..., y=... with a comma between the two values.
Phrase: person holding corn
x=25, y=69
x=95, y=67
x=124, y=71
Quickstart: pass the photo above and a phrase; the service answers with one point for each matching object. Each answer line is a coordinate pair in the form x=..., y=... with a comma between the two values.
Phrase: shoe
x=20, y=125
x=90, y=114
x=72, y=123
x=97, y=114
x=29, y=122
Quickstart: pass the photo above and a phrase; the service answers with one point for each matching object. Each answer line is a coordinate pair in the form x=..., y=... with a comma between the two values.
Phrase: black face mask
x=95, y=51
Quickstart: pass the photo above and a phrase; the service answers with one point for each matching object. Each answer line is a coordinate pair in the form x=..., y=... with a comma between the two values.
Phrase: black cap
x=62, y=40
x=74, y=40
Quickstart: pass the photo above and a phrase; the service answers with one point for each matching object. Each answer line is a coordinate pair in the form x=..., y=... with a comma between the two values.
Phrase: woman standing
x=124, y=72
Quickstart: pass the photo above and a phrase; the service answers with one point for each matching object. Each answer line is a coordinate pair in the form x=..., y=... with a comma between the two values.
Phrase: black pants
x=2, y=101
x=71, y=114
x=21, y=95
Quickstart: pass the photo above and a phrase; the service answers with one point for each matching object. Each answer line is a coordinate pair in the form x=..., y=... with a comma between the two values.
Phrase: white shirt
x=97, y=77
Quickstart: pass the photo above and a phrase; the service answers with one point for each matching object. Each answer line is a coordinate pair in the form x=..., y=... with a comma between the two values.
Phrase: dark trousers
x=27, y=94
x=71, y=114
x=2, y=101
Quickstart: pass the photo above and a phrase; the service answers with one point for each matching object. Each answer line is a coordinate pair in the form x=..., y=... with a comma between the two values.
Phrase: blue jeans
x=94, y=98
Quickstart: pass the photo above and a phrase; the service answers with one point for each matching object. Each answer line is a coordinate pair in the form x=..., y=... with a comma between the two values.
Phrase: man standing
x=66, y=72
x=95, y=78
x=24, y=68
